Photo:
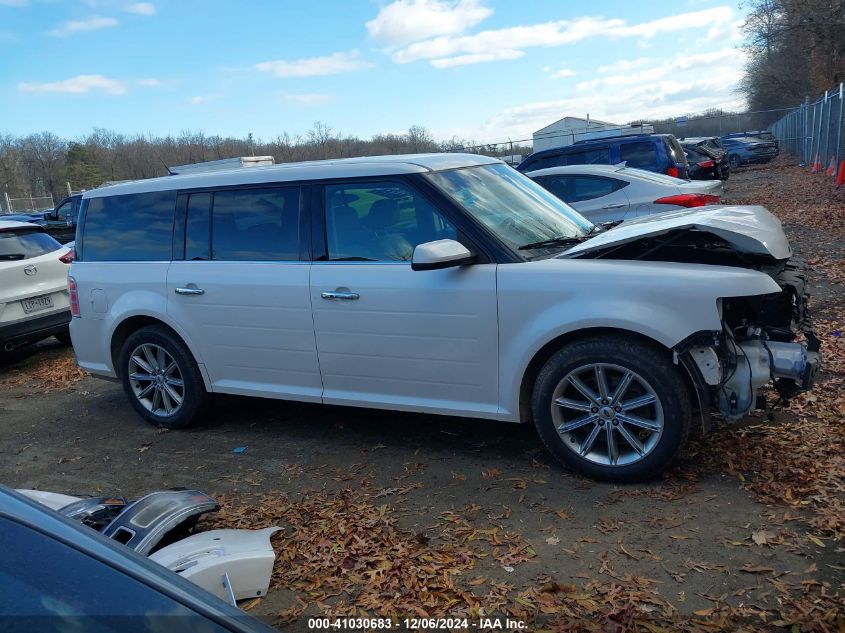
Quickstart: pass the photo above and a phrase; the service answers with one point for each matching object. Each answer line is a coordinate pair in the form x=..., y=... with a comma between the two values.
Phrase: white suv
x=441, y=283
x=33, y=285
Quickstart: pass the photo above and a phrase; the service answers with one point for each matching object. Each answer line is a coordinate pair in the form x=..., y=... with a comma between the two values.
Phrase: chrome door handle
x=614, y=206
x=336, y=295
x=189, y=291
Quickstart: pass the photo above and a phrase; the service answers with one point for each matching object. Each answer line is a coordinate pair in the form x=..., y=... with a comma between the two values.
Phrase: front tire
x=161, y=378
x=733, y=161
x=612, y=409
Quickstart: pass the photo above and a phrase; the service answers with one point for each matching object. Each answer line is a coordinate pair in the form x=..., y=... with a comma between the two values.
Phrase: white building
x=571, y=129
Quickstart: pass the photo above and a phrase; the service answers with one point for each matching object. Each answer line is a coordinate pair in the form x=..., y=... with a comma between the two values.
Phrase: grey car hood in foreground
x=749, y=229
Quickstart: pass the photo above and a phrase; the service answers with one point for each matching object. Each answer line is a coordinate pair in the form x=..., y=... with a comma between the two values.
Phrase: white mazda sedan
x=440, y=283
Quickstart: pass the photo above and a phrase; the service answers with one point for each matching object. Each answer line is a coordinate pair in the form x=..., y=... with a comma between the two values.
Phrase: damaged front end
x=768, y=338
x=764, y=339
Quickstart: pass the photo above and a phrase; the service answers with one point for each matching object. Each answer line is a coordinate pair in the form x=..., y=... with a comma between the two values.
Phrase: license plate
x=36, y=304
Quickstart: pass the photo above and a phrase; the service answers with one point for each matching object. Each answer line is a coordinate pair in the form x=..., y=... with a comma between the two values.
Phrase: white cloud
x=475, y=58
x=627, y=64
x=334, y=64
x=485, y=44
x=148, y=83
x=141, y=8
x=306, y=98
x=560, y=73
x=77, y=85
x=405, y=21
x=198, y=99
x=659, y=89
x=76, y=26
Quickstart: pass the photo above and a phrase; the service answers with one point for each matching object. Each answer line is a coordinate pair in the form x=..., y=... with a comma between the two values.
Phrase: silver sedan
x=611, y=193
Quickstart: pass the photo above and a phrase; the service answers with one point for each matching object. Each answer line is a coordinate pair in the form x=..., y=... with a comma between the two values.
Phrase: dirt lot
x=397, y=514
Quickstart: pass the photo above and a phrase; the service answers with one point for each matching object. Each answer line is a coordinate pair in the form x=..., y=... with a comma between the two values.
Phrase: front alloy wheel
x=156, y=380
x=607, y=414
x=612, y=407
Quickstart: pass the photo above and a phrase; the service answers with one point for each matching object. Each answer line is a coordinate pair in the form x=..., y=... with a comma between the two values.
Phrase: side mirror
x=440, y=254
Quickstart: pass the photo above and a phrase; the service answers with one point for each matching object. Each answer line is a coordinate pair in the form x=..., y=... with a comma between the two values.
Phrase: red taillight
x=706, y=164
x=673, y=171
x=73, y=295
x=689, y=200
x=67, y=258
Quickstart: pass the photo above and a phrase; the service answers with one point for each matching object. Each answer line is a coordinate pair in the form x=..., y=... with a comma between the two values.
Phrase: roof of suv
x=311, y=170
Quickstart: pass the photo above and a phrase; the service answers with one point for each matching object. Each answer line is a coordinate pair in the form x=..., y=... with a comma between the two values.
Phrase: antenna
x=169, y=173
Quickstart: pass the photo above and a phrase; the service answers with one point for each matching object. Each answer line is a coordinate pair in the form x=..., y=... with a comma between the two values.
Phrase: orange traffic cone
x=831, y=168
x=817, y=165
x=840, y=177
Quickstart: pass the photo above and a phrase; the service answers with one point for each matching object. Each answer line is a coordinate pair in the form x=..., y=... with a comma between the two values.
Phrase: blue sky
x=480, y=69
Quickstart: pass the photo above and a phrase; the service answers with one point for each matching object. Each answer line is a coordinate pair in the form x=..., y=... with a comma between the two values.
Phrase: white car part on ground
x=208, y=558
x=53, y=500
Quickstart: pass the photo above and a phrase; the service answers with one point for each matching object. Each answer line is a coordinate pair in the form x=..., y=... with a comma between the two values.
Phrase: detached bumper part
x=241, y=559
x=143, y=524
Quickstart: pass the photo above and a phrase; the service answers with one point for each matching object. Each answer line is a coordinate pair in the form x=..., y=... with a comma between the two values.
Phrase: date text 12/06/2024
x=415, y=624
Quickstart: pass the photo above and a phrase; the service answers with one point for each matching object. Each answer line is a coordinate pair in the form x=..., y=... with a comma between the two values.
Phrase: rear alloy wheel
x=612, y=409
x=161, y=378
x=733, y=161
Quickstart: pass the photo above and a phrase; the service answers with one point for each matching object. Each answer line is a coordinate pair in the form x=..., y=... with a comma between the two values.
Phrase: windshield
x=514, y=207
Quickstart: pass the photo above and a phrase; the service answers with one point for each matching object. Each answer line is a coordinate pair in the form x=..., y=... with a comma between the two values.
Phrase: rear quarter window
x=131, y=228
x=24, y=243
x=638, y=154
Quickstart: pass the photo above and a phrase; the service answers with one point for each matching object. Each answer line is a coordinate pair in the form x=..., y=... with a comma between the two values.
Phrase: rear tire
x=612, y=408
x=161, y=378
x=733, y=161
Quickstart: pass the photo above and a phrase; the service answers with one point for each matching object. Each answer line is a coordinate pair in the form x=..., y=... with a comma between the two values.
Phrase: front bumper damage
x=764, y=341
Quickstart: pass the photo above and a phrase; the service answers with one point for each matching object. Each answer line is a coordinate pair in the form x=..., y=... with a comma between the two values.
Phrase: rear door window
x=590, y=187
x=638, y=154
x=18, y=244
x=598, y=156
x=131, y=228
x=255, y=224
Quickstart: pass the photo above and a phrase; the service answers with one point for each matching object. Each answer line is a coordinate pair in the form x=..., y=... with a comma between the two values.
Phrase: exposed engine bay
x=764, y=338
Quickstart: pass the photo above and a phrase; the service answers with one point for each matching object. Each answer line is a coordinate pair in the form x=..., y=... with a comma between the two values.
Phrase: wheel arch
x=132, y=324
x=539, y=359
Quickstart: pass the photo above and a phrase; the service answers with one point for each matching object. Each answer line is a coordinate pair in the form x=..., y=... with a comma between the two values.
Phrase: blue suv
x=661, y=153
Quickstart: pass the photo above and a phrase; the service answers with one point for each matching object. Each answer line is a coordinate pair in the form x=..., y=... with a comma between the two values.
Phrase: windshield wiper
x=555, y=241
x=12, y=257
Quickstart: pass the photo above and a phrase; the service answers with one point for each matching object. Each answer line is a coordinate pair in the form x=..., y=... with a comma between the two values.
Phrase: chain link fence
x=813, y=133
x=25, y=204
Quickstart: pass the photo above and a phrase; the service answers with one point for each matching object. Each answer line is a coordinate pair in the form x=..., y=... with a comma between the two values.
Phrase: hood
x=749, y=229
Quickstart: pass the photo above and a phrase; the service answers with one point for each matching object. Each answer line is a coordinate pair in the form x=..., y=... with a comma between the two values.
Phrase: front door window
x=380, y=222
